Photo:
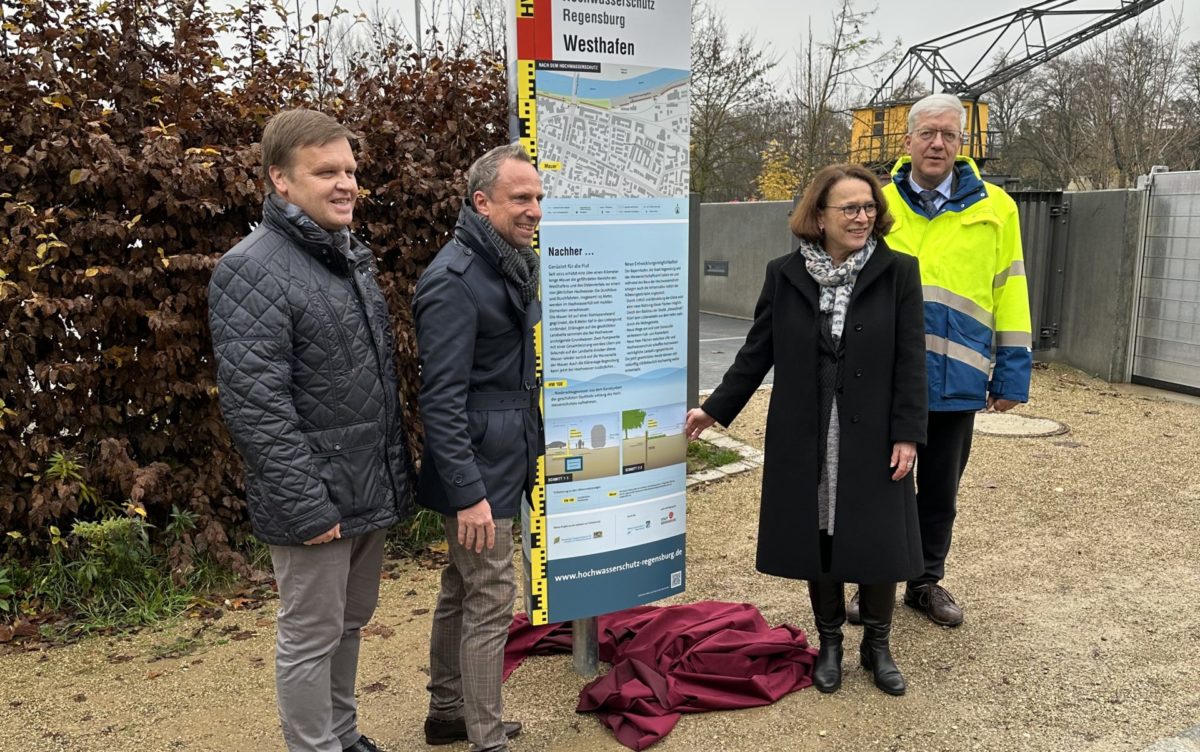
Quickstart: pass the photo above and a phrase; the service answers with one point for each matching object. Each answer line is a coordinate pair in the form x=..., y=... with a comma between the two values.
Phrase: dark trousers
x=940, y=465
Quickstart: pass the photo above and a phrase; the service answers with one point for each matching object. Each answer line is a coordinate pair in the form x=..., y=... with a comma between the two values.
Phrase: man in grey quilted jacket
x=307, y=379
x=475, y=308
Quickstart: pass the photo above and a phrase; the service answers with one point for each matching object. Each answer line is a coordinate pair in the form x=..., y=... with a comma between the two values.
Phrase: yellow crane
x=1017, y=39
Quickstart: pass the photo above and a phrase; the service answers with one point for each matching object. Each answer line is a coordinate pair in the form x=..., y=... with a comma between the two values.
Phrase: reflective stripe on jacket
x=977, y=324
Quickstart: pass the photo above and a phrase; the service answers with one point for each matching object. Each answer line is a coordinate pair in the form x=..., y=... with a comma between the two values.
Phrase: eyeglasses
x=850, y=211
x=948, y=137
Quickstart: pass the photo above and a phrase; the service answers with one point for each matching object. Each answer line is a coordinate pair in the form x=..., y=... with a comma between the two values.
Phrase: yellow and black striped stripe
x=527, y=107
x=539, y=607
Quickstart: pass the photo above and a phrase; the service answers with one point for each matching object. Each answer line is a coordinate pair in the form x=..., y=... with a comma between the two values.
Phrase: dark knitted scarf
x=519, y=265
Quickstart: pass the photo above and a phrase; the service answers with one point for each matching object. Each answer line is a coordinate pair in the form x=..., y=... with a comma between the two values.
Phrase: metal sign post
x=585, y=647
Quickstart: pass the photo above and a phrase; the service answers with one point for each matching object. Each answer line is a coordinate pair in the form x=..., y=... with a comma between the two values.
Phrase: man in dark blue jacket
x=306, y=371
x=475, y=309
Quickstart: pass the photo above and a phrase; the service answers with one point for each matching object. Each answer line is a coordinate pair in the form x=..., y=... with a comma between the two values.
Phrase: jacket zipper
x=337, y=326
x=387, y=398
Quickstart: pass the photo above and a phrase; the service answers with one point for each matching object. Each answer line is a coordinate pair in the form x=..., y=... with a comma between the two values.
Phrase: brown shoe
x=448, y=732
x=934, y=601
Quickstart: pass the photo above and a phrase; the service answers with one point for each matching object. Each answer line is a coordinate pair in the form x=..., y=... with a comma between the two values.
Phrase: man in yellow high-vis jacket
x=977, y=332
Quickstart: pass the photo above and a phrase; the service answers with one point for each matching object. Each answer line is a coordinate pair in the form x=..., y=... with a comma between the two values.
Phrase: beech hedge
x=129, y=164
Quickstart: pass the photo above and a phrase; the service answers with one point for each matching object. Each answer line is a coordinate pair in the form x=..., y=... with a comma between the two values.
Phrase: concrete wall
x=1098, y=286
x=694, y=272
x=1094, y=313
x=747, y=236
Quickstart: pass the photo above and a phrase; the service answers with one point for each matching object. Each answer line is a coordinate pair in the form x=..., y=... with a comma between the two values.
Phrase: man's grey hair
x=936, y=104
x=484, y=171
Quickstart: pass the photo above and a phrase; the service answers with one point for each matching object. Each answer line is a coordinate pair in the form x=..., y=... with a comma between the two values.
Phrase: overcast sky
x=784, y=24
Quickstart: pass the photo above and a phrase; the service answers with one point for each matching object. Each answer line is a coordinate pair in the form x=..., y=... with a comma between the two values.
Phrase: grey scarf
x=837, y=282
x=519, y=265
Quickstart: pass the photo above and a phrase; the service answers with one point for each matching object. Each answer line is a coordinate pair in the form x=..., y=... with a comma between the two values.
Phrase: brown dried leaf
x=378, y=630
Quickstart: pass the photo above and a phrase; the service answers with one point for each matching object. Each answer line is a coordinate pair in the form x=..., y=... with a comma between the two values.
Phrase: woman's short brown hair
x=804, y=222
x=290, y=130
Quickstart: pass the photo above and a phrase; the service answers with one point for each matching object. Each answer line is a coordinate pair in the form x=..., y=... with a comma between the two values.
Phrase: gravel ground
x=1076, y=559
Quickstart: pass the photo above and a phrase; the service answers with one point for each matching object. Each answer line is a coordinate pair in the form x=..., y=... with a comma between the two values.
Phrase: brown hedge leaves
x=128, y=165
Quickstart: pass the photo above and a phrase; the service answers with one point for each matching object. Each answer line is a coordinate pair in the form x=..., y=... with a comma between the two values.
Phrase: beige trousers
x=470, y=628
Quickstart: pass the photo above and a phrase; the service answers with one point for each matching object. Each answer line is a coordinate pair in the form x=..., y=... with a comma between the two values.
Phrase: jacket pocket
x=490, y=436
x=967, y=367
x=350, y=462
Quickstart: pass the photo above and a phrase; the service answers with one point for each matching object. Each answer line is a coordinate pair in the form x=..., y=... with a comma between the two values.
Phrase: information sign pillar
x=601, y=97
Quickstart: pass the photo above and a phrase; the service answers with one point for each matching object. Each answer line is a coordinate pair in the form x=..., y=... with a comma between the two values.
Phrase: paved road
x=720, y=338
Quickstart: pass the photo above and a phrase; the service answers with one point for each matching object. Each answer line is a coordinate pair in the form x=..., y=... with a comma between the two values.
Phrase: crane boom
x=1020, y=40
x=1036, y=57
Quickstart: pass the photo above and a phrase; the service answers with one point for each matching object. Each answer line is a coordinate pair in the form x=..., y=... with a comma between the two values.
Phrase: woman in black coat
x=841, y=321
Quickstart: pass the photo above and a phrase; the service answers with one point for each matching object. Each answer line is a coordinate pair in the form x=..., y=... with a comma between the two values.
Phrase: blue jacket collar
x=968, y=187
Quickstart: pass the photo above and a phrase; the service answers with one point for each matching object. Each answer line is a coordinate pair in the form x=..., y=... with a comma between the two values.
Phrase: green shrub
x=7, y=591
x=416, y=533
x=701, y=455
x=112, y=571
x=105, y=574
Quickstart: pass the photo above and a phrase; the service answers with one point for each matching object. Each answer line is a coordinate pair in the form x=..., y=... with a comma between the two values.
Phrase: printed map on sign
x=622, y=132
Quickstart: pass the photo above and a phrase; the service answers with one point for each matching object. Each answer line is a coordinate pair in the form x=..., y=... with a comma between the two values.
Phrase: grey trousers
x=327, y=593
x=470, y=628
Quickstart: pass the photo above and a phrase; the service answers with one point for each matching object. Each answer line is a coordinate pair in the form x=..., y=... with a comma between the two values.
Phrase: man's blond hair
x=290, y=130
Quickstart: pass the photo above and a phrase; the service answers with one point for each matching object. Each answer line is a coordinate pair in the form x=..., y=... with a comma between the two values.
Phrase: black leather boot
x=876, y=603
x=829, y=613
x=852, y=614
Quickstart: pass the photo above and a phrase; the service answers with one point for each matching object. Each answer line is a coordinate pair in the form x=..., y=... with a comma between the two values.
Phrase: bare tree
x=1058, y=139
x=729, y=78
x=1188, y=108
x=373, y=37
x=1009, y=109
x=331, y=37
x=1138, y=73
x=826, y=84
x=1104, y=116
x=478, y=25
x=1191, y=77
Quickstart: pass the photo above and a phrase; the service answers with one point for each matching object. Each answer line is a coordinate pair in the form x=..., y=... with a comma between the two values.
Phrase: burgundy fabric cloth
x=671, y=660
